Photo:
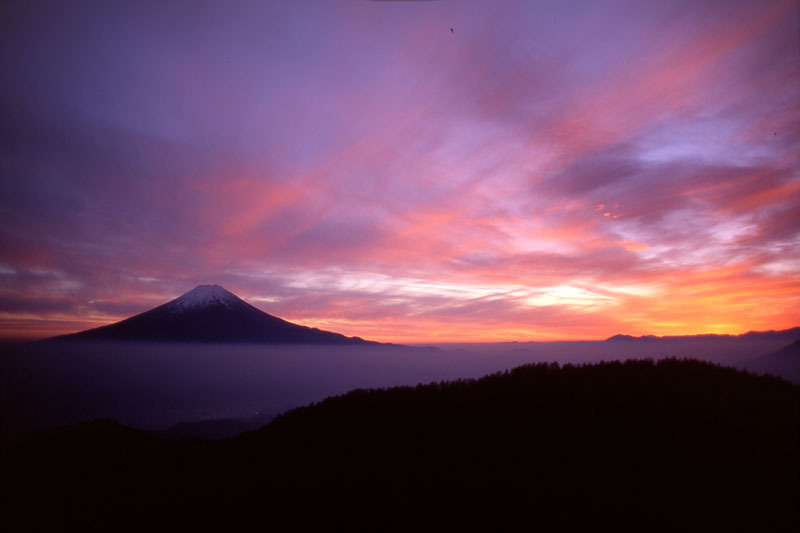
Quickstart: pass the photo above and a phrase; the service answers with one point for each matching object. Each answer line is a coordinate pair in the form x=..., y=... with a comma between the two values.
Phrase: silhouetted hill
x=792, y=350
x=784, y=362
x=667, y=446
x=216, y=428
x=630, y=338
x=223, y=428
x=209, y=313
x=790, y=334
x=785, y=334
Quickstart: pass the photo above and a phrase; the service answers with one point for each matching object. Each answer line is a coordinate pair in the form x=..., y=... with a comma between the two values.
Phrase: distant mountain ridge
x=784, y=362
x=789, y=335
x=210, y=313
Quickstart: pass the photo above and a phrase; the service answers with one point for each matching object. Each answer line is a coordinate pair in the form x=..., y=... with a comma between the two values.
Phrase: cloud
x=546, y=170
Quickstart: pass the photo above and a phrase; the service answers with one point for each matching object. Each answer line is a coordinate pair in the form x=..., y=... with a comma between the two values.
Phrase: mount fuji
x=209, y=313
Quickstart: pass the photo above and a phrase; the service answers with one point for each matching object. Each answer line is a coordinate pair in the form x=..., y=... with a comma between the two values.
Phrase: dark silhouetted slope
x=790, y=351
x=788, y=335
x=209, y=313
x=667, y=446
x=784, y=362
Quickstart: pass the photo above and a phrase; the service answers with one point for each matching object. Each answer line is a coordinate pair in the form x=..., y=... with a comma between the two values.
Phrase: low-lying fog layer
x=154, y=386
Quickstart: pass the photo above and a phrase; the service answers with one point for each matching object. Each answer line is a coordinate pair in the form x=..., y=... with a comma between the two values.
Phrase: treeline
x=672, y=445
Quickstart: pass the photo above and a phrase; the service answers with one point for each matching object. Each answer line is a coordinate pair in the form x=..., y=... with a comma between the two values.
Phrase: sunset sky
x=545, y=170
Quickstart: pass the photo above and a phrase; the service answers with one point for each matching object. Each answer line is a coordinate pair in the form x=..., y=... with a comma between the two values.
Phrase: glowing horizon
x=547, y=171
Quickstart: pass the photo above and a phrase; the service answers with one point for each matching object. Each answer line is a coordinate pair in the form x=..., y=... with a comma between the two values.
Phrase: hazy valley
x=156, y=385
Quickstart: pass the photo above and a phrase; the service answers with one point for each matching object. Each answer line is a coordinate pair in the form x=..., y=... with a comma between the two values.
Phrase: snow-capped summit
x=205, y=296
x=209, y=313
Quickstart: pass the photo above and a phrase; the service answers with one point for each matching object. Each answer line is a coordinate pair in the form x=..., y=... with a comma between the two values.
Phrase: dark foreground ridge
x=209, y=313
x=667, y=446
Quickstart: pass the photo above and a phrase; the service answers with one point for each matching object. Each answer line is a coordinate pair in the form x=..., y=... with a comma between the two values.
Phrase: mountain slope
x=666, y=446
x=784, y=362
x=209, y=313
